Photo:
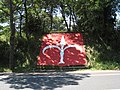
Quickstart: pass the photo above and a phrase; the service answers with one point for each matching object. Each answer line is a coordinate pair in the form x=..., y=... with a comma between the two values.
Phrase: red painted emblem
x=62, y=49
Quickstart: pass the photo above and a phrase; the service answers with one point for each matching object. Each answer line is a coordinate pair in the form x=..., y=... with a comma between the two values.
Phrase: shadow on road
x=42, y=81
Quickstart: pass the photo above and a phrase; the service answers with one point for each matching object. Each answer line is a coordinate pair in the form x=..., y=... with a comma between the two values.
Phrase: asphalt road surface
x=86, y=80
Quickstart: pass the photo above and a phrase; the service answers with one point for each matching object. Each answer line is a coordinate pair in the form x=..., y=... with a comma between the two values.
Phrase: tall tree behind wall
x=96, y=17
x=12, y=37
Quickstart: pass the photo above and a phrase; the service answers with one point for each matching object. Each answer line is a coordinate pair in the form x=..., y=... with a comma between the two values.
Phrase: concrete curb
x=64, y=72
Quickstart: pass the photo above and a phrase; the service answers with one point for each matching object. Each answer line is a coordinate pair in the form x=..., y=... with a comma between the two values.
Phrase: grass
x=3, y=69
x=105, y=66
x=94, y=66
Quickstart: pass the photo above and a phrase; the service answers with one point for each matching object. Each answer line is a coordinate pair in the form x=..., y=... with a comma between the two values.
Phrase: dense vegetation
x=24, y=22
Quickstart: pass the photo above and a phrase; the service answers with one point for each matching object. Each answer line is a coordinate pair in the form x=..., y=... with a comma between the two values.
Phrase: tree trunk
x=70, y=17
x=74, y=19
x=26, y=20
x=12, y=37
x=51, y=17
x=21, y=25
x=63, y=15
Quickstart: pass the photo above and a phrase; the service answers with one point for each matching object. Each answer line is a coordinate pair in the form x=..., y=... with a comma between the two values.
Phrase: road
x=83, y=80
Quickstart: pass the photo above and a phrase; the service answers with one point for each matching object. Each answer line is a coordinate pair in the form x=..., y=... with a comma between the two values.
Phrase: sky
x=118, y=15
x=60, y=15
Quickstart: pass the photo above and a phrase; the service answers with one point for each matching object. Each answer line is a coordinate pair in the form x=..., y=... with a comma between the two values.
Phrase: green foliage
x=95, y=19
x=4, y=54
x=107, y=60
x=102, y=57
x=3, y=69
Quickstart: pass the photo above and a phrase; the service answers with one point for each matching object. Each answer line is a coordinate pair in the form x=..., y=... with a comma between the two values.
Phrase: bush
x=4, y=54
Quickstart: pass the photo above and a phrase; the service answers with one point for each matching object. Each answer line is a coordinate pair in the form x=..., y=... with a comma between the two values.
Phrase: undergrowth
x=105, y=59
x=99, y=55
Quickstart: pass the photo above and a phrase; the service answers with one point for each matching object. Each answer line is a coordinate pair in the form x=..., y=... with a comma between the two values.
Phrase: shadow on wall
x=43, y=81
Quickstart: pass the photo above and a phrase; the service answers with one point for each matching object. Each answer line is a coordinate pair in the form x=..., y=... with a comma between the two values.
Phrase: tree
x=12, y=37
x=30, y=19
